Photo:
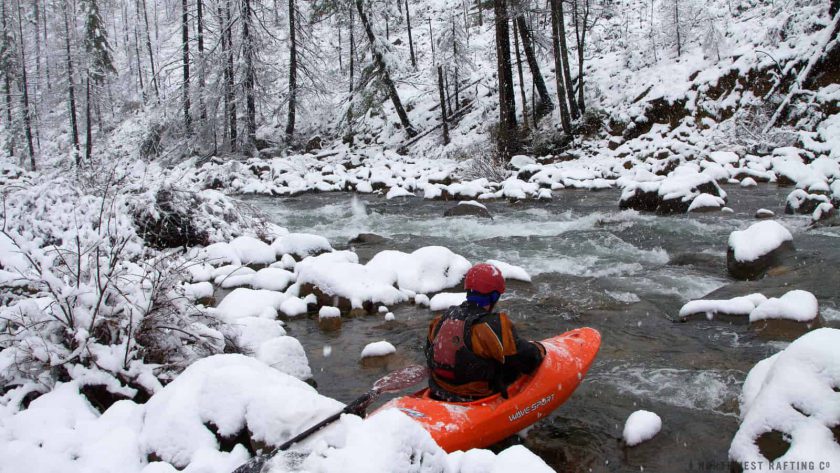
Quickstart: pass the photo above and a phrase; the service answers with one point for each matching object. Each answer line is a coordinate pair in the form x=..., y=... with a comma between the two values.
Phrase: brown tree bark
x=71, y=89
x=185, y=64
x=507, y=102
x=442, y=106
x=27, y=117
x=290, y=123
x=521, y=75
x=249, y=79
x=545, y=105
x=565, y=119
x=564, y=51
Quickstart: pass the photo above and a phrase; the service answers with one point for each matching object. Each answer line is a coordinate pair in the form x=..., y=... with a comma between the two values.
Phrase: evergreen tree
x=96, y=44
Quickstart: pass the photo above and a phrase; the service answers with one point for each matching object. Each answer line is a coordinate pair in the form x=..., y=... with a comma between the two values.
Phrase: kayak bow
x=478, y=424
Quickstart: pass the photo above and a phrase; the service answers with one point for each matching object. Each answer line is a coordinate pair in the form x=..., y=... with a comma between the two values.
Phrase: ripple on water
x=707, y=390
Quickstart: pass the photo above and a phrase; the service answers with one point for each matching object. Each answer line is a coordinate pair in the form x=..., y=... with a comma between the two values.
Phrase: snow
x=201, y=290
x=252, y=251
x=340, y=275
x=389, y=316
x=300, y=245
x=822, y=210
x=706, y=201
x=445, y=300
x=796, y=305
x=395, y=192
x=382, y=348
x=285, y=354
x=327, y=312
x=510, y=271
x=792, y=392
x=758, y=240
x=737, y=306
x=640, y=427
x=428, y=269
x=242, y=302
x=293, y=307
x=272, y=279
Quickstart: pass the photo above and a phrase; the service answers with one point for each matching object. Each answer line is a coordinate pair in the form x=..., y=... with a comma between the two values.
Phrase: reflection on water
x=622, y=272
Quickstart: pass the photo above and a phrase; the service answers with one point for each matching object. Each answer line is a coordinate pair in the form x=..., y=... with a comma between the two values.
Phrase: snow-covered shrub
x=482, y=162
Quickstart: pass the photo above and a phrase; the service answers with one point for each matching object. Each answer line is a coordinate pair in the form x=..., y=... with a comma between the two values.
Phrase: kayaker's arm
x=496, y=338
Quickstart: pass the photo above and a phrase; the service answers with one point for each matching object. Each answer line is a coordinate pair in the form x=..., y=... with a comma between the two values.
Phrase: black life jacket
x=449, y=351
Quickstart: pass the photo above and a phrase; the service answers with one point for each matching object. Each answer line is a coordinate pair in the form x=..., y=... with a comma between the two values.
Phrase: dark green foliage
x=96, y=43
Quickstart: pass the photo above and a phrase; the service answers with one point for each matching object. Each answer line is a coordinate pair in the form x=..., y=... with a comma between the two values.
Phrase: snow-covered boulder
x=706, y=203
x=762, y=214
x=711, y=308
x=671, y=195
x=252, y=251
x=285, y=354
x=824, y=211
x=796, y=305
x=792, y=395
x=801, y=202
x=377, y=349
x=445, y=300
x=329, y=318
x=510, y=271
x=301, y=245
x=244, y=302
x=753, y=251
x=468, y=208
x=272, y=279
x=426, y=270
x=228, y=394
x=640, y=427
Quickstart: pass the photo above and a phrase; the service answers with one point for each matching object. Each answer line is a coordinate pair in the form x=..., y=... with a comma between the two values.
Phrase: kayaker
x=474, y=352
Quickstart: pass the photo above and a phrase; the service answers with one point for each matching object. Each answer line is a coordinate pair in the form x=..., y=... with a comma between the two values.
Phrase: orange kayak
x=478, y=424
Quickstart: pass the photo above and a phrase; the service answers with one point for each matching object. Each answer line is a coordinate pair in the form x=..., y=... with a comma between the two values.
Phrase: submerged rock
x=367, y=239
x=468, y=208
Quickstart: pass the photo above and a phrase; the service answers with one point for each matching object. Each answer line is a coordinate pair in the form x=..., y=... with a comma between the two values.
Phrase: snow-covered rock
x=429, y=269
x=272, y=279
x=705, y=203
x=640, y=427
x=198, y=291
x=764, y=213
x=793, y=393
x=801, y=202
x=824, y=211
x=300, y=245
x=468, y=208
x=230, y=392
x=252, y=251
x=381, y=348
x=754, y=250
x=740, y=306
x=242, y=302
x=445, y=300
x=340, y=276
x=285, y=354
x=796, y=305
x=748, y=182
x=510, y=271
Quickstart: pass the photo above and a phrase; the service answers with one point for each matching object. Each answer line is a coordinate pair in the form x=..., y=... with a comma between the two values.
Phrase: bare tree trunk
x=564, y=51
x=27, y=118
x=71, y=89
x=290, y=124
x=249, y=74
x=410, y=38
x=149, y=48
x=185, y=51
x=139, y=65
x=47, y=43
x=480, y=12
x=386, y=75
x=230, y=94
x=565, y=119
x=580, y=31
x=456, y=71
x=507, y=102
x=88, y=124
x=36, y=18
x=7, y=85
x=545, y=104
x=352, y=50
x=202, y=61
x=442, y=106
x=516, y=27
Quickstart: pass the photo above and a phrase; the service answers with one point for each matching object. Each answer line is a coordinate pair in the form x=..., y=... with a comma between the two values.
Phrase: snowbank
x=641, y=426
x=793, y=392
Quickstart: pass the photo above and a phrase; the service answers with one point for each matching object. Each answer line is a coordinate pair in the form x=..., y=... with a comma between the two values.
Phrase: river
x=622, y=272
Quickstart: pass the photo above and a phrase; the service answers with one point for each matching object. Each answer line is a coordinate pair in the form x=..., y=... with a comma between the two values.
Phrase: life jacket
x=455, y=368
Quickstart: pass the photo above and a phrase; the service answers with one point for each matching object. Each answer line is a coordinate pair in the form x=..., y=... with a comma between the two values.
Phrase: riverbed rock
x=468, y=208
x=801, y=202
x=367, y=239
x=824, y=212
x=752, y=252
x=672, y=195
x=762, y=214
x=706, y=203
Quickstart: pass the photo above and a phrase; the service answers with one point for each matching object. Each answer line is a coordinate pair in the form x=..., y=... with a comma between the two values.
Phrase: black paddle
x=393, y=382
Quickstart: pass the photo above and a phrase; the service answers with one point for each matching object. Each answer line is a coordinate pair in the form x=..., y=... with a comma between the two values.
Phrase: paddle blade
x=401, y=379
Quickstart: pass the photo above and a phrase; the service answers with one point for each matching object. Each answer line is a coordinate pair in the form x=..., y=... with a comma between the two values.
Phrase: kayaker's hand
x=541, y=348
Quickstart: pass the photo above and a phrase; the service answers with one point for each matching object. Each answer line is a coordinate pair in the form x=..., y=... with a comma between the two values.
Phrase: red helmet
x=484, y=278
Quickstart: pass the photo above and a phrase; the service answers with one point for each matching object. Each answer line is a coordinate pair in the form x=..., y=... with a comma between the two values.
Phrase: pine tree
x=100, y=63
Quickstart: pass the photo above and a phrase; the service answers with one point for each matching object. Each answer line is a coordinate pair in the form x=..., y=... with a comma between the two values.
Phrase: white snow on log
x=381, y=348
x=252, y=251
x=300, y=244
x=272, y=279
x=640, y=427
x=242, y=302
x=510, y=271
x=328, y=312
x=445, y=300
x=796, y=305
x=706, y=201
x=758, y=240
x=285, y=354
x=793, y=393
x=737, y=306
